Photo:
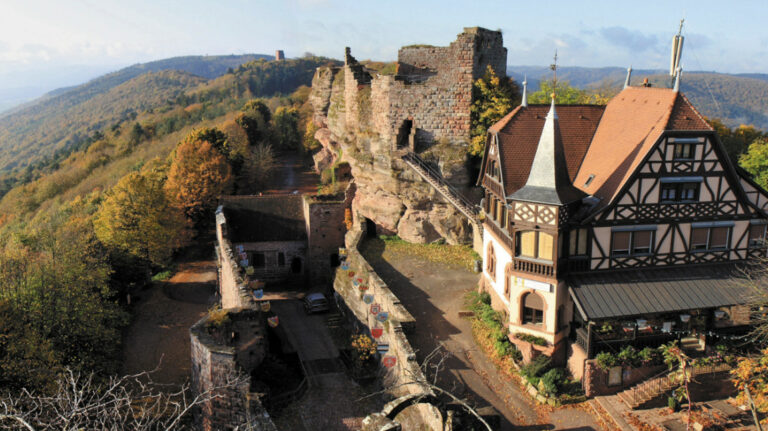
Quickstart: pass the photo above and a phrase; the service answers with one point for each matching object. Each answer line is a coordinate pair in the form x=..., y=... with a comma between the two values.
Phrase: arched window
x=490, y=265
x=507, y=280
x=533, y=309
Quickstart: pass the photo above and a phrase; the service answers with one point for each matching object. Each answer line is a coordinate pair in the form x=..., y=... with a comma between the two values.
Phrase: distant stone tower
x=279, y=55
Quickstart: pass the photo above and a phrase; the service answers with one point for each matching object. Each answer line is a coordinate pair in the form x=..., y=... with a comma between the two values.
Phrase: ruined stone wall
x=233, y=281
x=325, y=233
x=360, y=114
x=434, y=85
x=215, y=366
x=272, y=270
x=400, y=323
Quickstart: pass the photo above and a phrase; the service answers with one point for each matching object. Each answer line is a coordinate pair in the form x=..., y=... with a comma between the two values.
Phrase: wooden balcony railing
x=532, y=267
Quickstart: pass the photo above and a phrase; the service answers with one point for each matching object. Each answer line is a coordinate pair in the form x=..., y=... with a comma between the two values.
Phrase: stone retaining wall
x=400, y=323
x=232, y=278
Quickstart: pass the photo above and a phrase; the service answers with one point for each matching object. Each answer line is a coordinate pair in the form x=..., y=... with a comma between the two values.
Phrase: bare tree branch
x=131, y=402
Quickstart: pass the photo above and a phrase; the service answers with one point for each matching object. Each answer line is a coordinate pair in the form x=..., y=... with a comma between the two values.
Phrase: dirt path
x=294, y=173
x=433, y=293
x=162, y=317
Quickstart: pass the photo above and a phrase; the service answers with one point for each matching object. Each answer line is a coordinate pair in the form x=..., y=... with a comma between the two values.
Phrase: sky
x=57, y=43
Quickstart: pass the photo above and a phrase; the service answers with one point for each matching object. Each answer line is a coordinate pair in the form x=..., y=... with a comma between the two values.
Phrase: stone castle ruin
x=370, y=120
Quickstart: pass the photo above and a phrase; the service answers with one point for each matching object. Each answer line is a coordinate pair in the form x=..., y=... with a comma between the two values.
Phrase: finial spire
x=678, y=75
x=524, y=102
x=552, y=111
x=629, y=75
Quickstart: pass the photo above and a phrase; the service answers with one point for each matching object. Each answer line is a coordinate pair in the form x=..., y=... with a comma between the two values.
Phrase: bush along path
x=549, y=386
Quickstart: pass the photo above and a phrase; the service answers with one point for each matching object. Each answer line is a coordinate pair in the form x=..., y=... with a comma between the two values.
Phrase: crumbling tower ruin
x=372, y=118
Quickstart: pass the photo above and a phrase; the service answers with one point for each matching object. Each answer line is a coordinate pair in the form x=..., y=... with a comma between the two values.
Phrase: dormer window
x=685, y=189
x=684, y=150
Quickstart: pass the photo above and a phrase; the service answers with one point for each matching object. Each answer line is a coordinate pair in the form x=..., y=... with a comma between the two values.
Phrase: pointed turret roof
x=548, y=181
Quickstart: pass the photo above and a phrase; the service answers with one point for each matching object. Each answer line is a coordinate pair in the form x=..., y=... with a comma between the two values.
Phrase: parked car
x=316, y=303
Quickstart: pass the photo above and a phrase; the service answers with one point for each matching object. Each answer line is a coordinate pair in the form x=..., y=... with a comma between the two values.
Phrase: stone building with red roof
x=616, y=225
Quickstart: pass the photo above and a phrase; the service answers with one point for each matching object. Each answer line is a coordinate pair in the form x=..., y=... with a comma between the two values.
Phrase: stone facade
x=306, y=253
x=369, y=120
x=216, y=364
x=325, y=234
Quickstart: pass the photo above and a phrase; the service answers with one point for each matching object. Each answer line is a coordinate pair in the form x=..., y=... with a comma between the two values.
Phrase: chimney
x=279, y=55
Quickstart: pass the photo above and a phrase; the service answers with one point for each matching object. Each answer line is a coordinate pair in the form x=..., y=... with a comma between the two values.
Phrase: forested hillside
x=62, y=117
x=35, y=140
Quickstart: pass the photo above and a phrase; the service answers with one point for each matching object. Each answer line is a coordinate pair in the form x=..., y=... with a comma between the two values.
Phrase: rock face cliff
x=371, y=120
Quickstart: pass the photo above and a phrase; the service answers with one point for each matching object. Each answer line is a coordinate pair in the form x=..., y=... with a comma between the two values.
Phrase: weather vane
x=553, y=67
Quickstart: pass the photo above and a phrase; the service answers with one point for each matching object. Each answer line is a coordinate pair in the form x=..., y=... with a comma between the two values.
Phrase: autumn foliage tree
x=493, y=97
x=136, y=217
x=198, y=175
x=752, y=373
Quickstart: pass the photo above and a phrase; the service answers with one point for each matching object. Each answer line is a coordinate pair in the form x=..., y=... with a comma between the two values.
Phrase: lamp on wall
x=685, y=317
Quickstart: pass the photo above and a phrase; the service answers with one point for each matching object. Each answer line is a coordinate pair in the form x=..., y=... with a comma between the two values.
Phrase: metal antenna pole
x=553, y=67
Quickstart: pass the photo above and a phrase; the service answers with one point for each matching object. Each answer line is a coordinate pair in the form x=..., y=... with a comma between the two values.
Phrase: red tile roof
x=520, y=130
x=633, y=122
x=608, y=142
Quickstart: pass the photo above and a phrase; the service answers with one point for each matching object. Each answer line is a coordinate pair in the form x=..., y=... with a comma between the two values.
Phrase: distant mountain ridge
x=57, y=120
x=204, y=66
x=733, y=98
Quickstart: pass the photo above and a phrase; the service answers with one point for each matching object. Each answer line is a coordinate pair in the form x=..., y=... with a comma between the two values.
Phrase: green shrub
x=552, y=380
x=485, y=298
x=649, y=356
x=537, y=367
x=672, y=403
x=628, y=356
x=531, y=339
x=162, y=276
x=502, y=348
x=606, y=360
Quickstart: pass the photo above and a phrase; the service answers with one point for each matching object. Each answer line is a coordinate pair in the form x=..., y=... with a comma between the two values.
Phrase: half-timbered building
x=617, y=224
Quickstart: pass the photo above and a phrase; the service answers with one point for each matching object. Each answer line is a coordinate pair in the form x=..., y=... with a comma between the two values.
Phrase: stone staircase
x=436, y=180
x=691, y=345
x=642, y=393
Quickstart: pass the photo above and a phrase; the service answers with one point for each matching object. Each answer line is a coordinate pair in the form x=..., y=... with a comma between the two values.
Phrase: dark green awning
x=645, y=291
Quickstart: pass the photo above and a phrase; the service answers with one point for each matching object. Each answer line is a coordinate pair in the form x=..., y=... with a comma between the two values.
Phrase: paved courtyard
x=333, y=402
x=433, y=293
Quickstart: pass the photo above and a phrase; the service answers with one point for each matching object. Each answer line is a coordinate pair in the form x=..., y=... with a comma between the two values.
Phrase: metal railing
x=667, y=380
x=451, y=193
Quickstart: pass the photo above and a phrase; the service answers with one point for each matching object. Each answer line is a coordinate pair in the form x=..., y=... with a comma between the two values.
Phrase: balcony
x=546, y=269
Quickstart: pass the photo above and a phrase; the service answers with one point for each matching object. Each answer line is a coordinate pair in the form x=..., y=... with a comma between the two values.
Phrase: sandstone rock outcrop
x=370, y=120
